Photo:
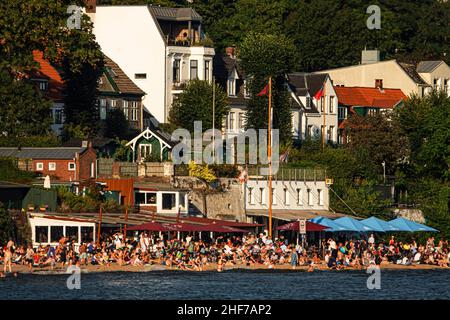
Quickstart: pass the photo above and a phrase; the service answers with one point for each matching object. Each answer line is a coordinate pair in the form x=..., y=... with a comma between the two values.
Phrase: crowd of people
x=192, y=253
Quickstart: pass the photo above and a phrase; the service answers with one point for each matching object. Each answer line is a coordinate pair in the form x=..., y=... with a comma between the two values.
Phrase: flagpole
x=324, y=115
x=269, y=155
x=214, y=117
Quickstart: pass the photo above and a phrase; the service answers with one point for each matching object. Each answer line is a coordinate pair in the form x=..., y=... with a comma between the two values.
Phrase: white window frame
x=50, y=165
x=262, y=194
x=251, y=199
x=310, y=197
x=231, y=87
x=232, y=121
x=74, y=166
x=274, y=196
x=147, y=150
x=134, y=110
x=39, y=166
x=286, y=196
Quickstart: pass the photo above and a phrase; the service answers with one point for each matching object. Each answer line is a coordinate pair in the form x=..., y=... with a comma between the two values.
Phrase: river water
x=235, y=284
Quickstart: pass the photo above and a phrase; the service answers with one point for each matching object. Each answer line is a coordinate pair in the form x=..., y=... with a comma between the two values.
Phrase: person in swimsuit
x=7, y=260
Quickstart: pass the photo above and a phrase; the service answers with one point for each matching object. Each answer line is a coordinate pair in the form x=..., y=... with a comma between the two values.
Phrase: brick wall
x=61, y=167
x=84, y=162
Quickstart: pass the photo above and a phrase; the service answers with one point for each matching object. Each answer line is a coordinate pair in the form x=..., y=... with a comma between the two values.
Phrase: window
x=310, y=197
x=39, y=166
x=92, y=170
x=445, y=85
x=71, y=166
x=286, y=196
x=207, y=71
x=134, y=110
x=168, y=201
x=299, y=197
x=231, y=87
x=140, y=76
x=43, y=85
x=246, y=90
x=231, y=127
x=176, y=72
x=240, y=120
x=320, y=197
x=331, y=104
x=372, y=111
x=330, y=133
x=139, y=198
x=262, y=195
x=112, y=103
x=194, y=70
x=87, y=234
x=145, y=150
x=150, y=198
x=41, y=234
x=251, y=200
x=274, y=197
x=52, y=166
x=379, y=83
x=72, y=234
x=125, y=109
x=342, y=113
x=56, y=233
x=102, y=109
x=435, y=84
x=322, y=104
x=58, y=118
x=310, y=131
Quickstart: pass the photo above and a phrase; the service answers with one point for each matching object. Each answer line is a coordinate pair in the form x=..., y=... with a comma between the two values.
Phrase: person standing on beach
x=294, y=258
x=7, y=260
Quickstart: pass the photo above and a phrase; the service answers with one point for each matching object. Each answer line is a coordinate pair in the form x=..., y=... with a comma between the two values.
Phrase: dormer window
x=231, y=87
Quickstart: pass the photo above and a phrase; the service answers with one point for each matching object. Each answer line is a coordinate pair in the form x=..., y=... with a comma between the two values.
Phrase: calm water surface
x=395, y=284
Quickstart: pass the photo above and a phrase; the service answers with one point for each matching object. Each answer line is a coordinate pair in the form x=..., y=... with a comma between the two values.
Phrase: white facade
x=287, y=195
x=162, y=202
x=131, y=36
x=48, y=231
x=438, y=78
x=314, y=115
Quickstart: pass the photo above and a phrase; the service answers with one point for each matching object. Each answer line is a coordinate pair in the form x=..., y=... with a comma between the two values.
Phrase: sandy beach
x=211, y=267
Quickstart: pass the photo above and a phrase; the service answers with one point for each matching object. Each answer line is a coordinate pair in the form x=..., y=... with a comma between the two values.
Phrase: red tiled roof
x=369, y=97
x=47, y=71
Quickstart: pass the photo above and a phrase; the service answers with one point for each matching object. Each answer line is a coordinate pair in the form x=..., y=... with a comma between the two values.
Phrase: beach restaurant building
x=48, y=230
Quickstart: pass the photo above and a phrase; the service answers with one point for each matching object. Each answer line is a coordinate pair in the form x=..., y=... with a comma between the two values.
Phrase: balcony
x=179, y=85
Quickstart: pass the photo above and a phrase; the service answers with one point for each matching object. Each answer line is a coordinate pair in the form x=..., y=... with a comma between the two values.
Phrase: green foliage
x=49, y=140
x=10, y=172
x=202, y=172
x=6, y=225
x=25, y=112
x=195, y=104
x=122, y=151
x=263, y=55
x=426, y=124
x=116, y=125
x=225, y=170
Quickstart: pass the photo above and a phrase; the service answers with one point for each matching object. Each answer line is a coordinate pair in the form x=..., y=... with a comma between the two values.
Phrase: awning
x=295, y=226
x=407, y=225
x=350, y=224
x=333, y=227
x=378, y=225
x=149, y=226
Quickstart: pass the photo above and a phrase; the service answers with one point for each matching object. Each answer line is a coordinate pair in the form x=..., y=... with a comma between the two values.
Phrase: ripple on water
x=395, y=284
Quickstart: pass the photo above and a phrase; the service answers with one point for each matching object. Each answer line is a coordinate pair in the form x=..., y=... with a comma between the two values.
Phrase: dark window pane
x=139, y=198
x=56, y=233
x=72, y=233
x=87, y=234
x=41, y=234
x=168, y=201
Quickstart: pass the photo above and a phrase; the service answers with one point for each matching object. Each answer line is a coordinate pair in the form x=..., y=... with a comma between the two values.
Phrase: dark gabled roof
x=224, y=65
x=303, y=83
x=410, y=70
x=41, y=153
x=115, y=80
x=427, y=66
x=174, y=14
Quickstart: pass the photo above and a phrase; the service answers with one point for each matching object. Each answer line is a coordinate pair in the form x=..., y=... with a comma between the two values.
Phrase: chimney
x=370, y=56
x=84, y=144
x=91, y=6
x=231, y=52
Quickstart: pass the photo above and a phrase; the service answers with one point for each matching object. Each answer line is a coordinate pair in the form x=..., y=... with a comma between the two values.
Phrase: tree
x=25, y=112
x=195, y=104
x=6, y=225
x=117, y=125
x=376, y=139
x=263, y=55
x=426, y=123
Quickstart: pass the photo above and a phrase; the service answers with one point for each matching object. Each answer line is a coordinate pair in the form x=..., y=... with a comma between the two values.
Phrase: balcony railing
x=179, y=85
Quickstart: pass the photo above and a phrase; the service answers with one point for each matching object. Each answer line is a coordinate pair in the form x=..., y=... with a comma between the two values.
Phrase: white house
x=411, y=79
x=312, y=112
x=159, y=48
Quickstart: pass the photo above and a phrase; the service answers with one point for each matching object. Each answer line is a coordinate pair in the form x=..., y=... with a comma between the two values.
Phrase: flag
x=284, y=156
x=264, y=92
x=319, y=94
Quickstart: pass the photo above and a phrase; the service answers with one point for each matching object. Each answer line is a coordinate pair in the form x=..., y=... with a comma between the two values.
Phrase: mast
x=269, y=155
x=324, y=106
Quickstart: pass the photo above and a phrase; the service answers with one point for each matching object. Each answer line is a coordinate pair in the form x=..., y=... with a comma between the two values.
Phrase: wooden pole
x=324, y=106
x=125, y=226
x=214, y=116
x=269, y=155
x=100, y=217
